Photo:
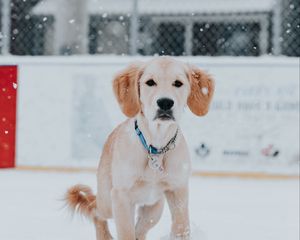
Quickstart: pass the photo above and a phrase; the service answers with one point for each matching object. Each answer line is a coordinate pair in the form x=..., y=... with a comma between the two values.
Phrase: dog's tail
x=81, y=199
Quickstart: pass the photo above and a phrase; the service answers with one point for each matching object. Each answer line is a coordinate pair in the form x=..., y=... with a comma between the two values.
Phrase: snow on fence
x=66, y=109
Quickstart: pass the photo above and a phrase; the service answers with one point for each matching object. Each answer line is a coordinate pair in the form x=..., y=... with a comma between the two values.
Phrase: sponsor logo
x=202, y=151
x=241, y=153
x=270, y=151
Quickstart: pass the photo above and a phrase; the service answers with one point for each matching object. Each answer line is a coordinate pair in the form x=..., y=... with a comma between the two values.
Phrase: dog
x=146, y=159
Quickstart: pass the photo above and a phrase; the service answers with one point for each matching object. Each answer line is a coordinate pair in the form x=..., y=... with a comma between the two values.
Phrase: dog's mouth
x=164, y=115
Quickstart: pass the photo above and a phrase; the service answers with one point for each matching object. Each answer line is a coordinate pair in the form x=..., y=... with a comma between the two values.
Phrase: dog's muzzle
x=164, y=115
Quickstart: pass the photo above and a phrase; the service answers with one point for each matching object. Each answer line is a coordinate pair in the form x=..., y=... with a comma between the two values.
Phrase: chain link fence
x=145, y=27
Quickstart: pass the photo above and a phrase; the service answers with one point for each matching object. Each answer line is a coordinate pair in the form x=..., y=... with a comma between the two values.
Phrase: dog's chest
x=147, y=194
x=150, y=187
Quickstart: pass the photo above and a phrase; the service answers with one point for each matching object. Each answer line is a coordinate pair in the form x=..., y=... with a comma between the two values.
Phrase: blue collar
x=153, y=150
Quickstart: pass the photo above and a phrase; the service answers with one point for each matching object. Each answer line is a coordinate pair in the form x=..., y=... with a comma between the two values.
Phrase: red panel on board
x=8, y=102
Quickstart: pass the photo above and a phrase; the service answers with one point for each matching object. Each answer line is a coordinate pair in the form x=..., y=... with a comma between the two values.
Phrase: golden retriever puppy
x=146, y=159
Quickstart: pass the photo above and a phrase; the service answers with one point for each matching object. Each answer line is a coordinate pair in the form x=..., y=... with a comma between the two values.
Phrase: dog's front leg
x=178, y=204
x=123, y=213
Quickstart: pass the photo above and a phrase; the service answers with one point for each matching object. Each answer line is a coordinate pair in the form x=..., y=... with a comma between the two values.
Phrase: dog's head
x=161, y=88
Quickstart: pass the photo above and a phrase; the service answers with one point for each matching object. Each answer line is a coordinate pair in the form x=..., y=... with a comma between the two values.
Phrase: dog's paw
x=195, y=234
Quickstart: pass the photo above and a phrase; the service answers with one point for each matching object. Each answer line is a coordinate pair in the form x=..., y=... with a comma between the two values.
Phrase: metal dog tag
x=154, y=162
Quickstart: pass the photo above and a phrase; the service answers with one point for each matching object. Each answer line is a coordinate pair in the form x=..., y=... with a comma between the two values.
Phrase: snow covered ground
x=220, y=209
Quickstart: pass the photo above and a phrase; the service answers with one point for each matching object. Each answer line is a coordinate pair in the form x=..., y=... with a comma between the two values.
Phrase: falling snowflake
x=15, y=85
x=204, y=90
x=15, y=31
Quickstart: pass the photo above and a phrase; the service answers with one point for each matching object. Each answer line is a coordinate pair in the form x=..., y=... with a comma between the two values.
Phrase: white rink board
x=66, y=109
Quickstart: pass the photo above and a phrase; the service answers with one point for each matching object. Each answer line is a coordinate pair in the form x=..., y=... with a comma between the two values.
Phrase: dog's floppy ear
x=125, y=86
x=202, y=89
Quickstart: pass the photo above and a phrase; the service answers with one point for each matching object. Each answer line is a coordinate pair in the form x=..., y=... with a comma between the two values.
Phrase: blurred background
x=57, y=62
x=131, y=27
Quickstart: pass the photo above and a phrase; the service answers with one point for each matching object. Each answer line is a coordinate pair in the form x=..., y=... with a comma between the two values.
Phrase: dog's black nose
x=165, y=103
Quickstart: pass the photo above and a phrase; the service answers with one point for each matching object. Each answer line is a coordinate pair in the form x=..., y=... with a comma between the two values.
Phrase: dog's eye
x=151, y=83
x=177, y=84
